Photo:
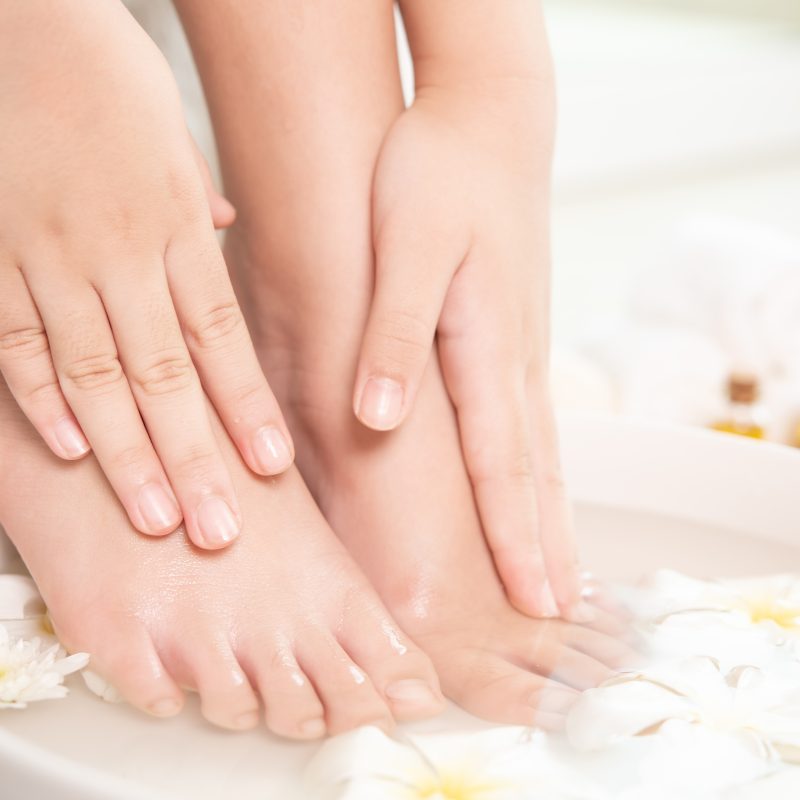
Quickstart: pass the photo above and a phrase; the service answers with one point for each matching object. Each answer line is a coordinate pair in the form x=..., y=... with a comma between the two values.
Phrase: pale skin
x=237, y=625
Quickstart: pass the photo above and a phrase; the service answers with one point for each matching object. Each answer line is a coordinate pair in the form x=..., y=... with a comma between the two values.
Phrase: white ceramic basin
x=645, y=497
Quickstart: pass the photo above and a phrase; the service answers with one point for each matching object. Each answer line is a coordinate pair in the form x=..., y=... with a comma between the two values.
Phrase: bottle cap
x=743, y=388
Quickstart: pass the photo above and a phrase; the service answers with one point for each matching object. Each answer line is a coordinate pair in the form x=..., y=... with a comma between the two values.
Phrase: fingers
x=489, y=392
x=555, y=517
x=223, y=214
x=27, y=366
x=168, y=394
x=221, y=348
x=94, y=384
x=412, y=274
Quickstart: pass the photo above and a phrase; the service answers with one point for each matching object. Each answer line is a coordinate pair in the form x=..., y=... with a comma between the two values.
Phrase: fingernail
x=412, y=692
x=247, y=720
x=381, y=403
x=554, y=701
x=547, y=602
x=271, y=450
x=216, y=521
x=70, y=438
x=159, y=510
x=165, y=708
x=313, y=728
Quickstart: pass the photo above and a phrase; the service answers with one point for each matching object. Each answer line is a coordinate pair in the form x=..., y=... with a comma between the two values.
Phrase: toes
x=557, y=660
x=292, y=707
x=130, y=663
x=399, y=670
x=609, y=650
x=347, y=693
x=226, y=696
x=495, y=689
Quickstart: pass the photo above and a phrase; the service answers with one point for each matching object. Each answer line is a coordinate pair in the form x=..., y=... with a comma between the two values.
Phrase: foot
x=283, y=616
x=402, y=503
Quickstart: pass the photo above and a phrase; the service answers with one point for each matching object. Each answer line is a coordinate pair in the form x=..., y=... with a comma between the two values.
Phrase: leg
x=283, y=614
x=299, y=170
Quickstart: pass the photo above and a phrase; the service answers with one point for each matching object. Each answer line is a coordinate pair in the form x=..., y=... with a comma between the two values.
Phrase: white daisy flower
x=30, y=670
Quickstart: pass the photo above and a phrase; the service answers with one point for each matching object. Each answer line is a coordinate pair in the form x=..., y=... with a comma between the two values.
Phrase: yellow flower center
x=457, y=787
x=763, y=609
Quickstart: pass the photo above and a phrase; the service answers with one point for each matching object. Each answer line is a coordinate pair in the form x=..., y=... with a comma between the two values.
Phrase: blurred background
x=677, y=203
x=676, y=234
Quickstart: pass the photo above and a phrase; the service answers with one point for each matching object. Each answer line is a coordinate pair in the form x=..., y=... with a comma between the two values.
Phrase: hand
x=460, y=232
x=114, y=297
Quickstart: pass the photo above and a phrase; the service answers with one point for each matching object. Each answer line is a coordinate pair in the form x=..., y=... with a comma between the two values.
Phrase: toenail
x=555, y=701
x=217, y=522
x=271, y=451
x=167, y=707
x=313, y=728
x=412, y=692
x=247, y=720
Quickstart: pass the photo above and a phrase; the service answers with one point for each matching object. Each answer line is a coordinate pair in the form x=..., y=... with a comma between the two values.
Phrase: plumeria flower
x=746, y=704
x=508, y=763
x=772, y=601
x=32, y=671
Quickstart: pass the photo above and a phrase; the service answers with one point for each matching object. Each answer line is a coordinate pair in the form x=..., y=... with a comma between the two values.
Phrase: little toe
x=347, y=693
x=292, y=708
x=493, y=688
x=399, y=670
x=226, y=697
x=130, y=663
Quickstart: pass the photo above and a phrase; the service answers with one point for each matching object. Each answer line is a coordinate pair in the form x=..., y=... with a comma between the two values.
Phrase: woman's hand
x=460, y=232
x=115, y=302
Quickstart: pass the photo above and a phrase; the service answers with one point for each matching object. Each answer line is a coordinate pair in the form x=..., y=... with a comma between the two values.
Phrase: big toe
x=493, y=688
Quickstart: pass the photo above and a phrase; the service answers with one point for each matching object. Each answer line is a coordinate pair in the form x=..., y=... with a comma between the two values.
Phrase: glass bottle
x=744, y=415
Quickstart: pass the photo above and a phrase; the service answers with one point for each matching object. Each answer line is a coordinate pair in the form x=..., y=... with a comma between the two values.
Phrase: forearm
x=485, y=67
x=458, y=42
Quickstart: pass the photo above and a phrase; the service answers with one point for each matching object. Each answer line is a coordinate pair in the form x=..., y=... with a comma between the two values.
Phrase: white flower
x=31, y=670
x=772, y=602
x=752, y=707
x=496, y=764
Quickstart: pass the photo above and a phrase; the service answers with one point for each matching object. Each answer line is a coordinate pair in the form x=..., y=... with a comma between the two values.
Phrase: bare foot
x=284, y=614
x=403, y=505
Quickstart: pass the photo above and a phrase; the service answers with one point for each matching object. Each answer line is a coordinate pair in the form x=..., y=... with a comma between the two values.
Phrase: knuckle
x=249, y=395
x=47, y=393
x=402, y=337
x=24, y=343
x=166, y=373
x=198, y=465
x=217, y=325
x=131, y=458
x=553, y=479
x=95, y=373
x=520, y=467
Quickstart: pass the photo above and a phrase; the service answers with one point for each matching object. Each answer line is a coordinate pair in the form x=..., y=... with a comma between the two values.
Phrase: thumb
x=223, y=213
x=410, y=289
